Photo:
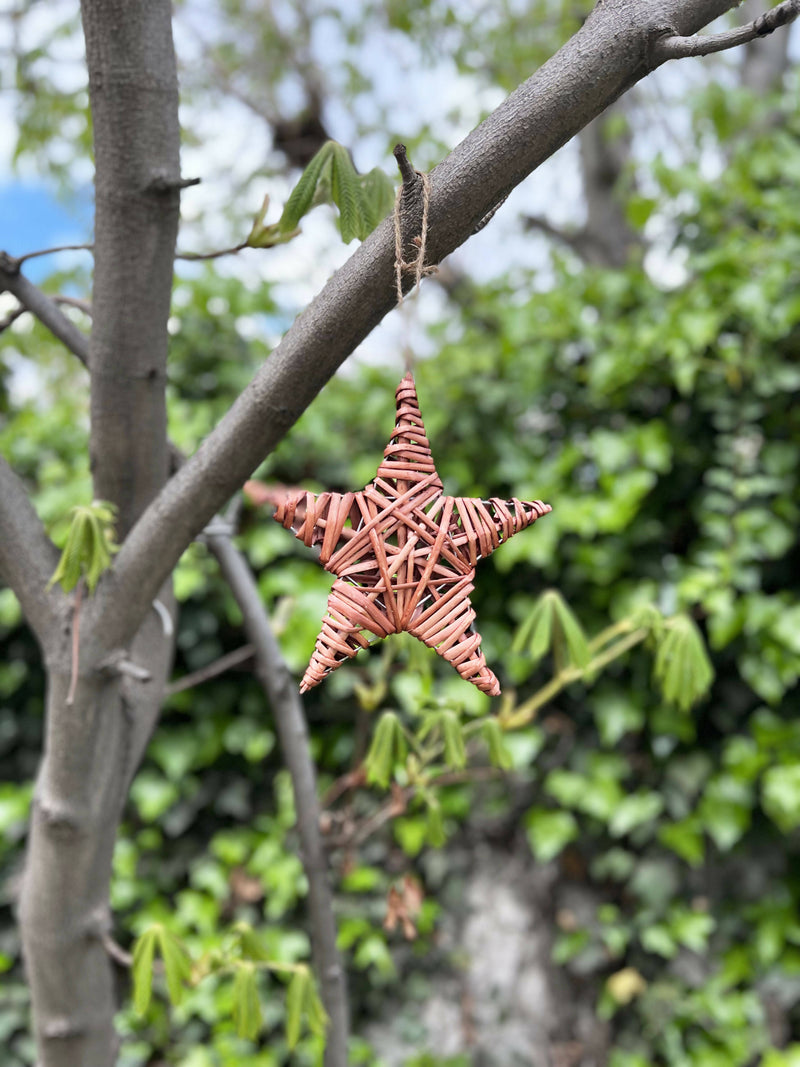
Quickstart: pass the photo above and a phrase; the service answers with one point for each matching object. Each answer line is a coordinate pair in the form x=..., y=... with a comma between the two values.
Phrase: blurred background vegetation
x=638, y=369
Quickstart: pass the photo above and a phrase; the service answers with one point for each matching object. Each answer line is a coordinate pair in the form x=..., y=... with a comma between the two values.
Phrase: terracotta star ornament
x=404, y=553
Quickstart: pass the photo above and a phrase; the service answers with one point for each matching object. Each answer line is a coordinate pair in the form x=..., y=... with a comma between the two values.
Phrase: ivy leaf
x=549, y=832
x=682, y=667
x=302, y=196
x=177, y=964
x=347, y=193
x=295, y=1003
x=142, y=969
x=247, y=1015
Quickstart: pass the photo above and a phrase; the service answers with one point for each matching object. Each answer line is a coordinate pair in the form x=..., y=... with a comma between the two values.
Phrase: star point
x=404, y=553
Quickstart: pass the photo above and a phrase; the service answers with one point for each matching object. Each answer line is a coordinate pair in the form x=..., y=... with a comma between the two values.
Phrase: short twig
x=676, y=47
x=219, y=666
x=17, y=261
x=117, y=662
x=115, y=951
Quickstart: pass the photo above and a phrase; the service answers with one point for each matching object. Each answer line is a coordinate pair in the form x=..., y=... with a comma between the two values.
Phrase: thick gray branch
x=133, y=89
x=43, y=308
x=612, y=51
x=287, y=709
x=27, y=555
x=680, y=47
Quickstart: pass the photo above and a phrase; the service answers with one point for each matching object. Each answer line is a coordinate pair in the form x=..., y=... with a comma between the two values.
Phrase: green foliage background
x=662, y=425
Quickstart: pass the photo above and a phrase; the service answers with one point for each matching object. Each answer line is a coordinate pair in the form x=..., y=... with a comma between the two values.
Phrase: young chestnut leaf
x=142, y=969
x=296, y=997
x=388, y=748
x=682, y=667
x=177, y=964
x=499, y=754
x=247, y=1017
x=88, y=548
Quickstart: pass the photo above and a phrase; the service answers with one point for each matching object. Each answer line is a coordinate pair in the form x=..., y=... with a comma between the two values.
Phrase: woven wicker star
x=404, y=553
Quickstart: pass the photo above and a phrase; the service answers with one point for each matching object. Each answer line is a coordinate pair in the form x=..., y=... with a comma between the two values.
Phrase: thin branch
x=13, y=263
x=674, y=47
x=116, y=951
x=610, y=53
x=205, y=674
x=192, y=256
x=27, y=556
x=74, y=302
x=19, y=260
x=44, y=308
x=287, y=709
x=12, y=317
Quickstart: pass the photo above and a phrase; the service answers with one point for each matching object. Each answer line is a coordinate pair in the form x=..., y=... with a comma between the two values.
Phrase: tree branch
x=27, y=555
x=287, y=709
x=673, y=47
x=611, y=52
x=133, y=91
x=42, y=307
x=205, y=674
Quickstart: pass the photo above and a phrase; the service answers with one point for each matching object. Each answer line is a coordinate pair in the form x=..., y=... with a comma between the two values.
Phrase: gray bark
x=133, y=87
x=27, y=556
x=92, y=748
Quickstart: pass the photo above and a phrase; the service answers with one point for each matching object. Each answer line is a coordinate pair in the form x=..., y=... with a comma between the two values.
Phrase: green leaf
x=377, y=197
x=659, y=940
x=247, y=1015
x=142, y=969
x=301, y=197
x=535, y=631
x=295, y=1003
x=455, y=753
x=317, y=1016
x=347, y=192
x=89, y=546
x=388, y=747
x=177, y=964
x=493, y=735
x=686, y=839
x=435, y=824
x=682, y=667
x=635, y=809
x=549, y=832
x=780, y=796
x=552, y=624
x=570, y=635
x=250, y=944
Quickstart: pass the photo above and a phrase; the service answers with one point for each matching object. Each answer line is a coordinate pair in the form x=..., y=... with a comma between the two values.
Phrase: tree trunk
x=92, y=748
